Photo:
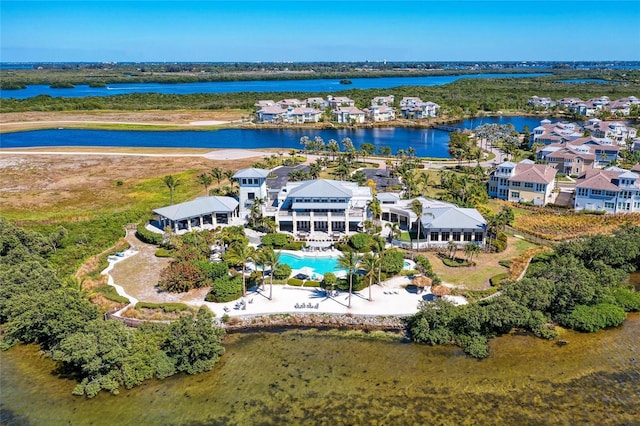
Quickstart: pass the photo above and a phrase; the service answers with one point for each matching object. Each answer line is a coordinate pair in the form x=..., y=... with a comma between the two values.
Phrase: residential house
x=523, y=182
x=302, y=115
x=578, y=155
x=264, y=103
x=413, y=107
x=383, y=100
x=318, y=103
x=547, y=133
x=271, y=114
x=291, y=103
x=348, y=115
x=612, y=190
x=614, y=130
x=340, y=101
x=537, y=102
x=380, y=113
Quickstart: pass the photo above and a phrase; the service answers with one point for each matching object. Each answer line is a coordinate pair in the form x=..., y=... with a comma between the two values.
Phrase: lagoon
x=427, y=142
x=302, y=86
x=312, y=377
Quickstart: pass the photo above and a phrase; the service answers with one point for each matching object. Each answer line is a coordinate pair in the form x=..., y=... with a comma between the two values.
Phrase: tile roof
x=598, y=179
x=536, y=173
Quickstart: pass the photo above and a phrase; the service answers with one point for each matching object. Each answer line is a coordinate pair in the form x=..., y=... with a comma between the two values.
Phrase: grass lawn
x=477, y=277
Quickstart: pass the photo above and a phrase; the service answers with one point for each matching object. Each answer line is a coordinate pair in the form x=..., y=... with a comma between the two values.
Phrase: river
x=427, y=142
x=301, y=86
x=313, y=377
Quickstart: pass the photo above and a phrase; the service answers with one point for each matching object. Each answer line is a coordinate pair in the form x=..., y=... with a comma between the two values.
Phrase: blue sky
x=319, y=30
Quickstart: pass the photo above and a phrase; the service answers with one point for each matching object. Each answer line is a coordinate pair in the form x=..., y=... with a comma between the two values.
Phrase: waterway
x=426, y=142
x=301, y=86
x=313, y=377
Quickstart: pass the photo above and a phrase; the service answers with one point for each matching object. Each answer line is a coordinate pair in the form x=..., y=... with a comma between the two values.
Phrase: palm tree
x=379, y=247
x=349, y=261
x=270, y=258
x=205, y=179
x=217, y=174
x=471, y=250
x=239, y=254
x=453, y=247
x=371, y=264
x=375, y=209
x=333, y=147
x=314, y=170
x=394, y=231
x=417, y=208
x=171, y=183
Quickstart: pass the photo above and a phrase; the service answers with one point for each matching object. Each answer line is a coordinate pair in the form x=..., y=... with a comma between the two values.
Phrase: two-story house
x=348, y=115
x=523, y=182
x=612, y=190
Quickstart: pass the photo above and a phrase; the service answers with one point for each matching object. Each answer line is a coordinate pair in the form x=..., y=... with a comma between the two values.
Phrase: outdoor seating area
x=320, y=237
x=307, y=306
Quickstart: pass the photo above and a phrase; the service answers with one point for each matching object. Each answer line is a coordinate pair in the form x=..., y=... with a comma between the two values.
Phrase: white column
x=175, y=226
x=189, y=224
x=295, y=221
x=214, y=221
x=312, y=226
x=329, y=230
x=346, y=220
x=201, y=222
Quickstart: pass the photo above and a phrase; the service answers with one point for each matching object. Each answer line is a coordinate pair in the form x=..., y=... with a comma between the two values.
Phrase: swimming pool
x=320, y=265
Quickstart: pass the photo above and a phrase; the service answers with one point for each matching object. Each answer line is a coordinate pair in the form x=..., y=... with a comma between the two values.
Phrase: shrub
x=475, y=345
x=225, y=289
x=312, y=283
x=456, y=263
x=110, y=292
x=166, y=307
x=295, y=282
x=497, y=279
x=295, y=245
x=282, y=272
x=409, y=272
x=593, y=318
x=358, y=283
x=276, y=240
x=423, y=263
x=626, y=299
x=360, y=242
x=213, y=270
x=392, y=262
x=329, y=280
x=147, y=236
x=163, y=252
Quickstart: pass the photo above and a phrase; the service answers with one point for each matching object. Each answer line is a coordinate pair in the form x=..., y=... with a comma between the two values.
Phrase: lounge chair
x=309, y=306
x=317, y=306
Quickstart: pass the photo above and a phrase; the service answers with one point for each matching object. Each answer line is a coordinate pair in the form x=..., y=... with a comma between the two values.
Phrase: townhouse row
x=342, y=110
x=619, y=107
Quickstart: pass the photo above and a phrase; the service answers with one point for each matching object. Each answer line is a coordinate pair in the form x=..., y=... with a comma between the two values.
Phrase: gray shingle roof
x=321, y=188
x=251, y=173
x=454, y=218
x=198, y=207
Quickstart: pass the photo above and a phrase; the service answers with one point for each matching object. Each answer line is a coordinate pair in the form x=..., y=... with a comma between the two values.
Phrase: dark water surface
x=311, y=377
x=426, y=142
x=303, y=86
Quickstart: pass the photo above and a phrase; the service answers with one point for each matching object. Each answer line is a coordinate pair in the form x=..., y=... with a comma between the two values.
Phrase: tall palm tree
x=270, y=258
x=471, y=250
x=394, y=230
x=217, y=174
x=239, y=254
x=417, y=208
x=205, y=179
x=379, y=247
x=349, y=261
x=171, y=183
x=371, y=264
x=453, y=247
x=333, y=147
x=375, y=209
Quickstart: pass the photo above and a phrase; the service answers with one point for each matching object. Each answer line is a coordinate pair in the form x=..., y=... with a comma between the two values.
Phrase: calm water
x=587, y=80
x=426, y=142
x=320, y=265
x=311, y=377
x=302, y=86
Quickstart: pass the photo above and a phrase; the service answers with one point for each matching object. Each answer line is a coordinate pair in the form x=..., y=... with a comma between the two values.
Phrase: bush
x=312, y=283
x=147, y=236
x=295, y=282
x=166, y=307
x=456, y=263
x=110, y=292
x=475, y=345
x=497, y=279
x=225, y=289
x=593, y=318
x=329, y=280
x=361, y=242
x=282, y=272
x=163, y=252
x=276, y=240
x=358, y=283
x=423, y=263
x=295, y=245
x=213, y=270
x=627, y=299
x=392, y=262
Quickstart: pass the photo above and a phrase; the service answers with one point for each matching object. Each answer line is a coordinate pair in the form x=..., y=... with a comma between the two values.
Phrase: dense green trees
x=580, y=286
x=35, y=307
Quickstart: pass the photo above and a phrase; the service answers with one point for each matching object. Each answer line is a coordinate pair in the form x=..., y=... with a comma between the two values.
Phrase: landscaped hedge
x=109, y=292
x=497, y=279
x=147, y=236
x=312, y=283
x=295, y=282
x=163, y=252
x=225, y=289
x=456, y=263
x=276, y=240
x=166, y=307
x=499, y=244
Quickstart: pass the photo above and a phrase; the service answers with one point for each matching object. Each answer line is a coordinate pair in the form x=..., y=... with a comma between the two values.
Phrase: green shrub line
x=163, y=252
x=166, y=307
x=295, y=282
x=110, y=293
x=147, y=236
x=498, y=278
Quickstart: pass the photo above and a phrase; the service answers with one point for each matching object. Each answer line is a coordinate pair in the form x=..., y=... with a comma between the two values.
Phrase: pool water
x=320, y=265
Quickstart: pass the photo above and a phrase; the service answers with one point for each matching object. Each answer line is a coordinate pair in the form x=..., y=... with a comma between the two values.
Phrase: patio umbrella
x=440, y=290
x=421, y=282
